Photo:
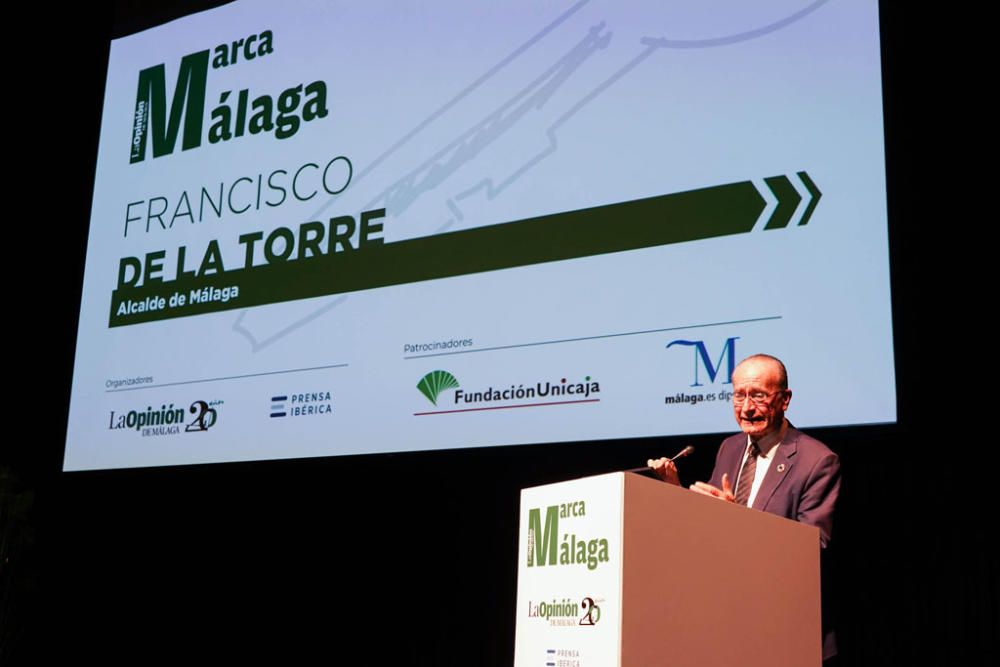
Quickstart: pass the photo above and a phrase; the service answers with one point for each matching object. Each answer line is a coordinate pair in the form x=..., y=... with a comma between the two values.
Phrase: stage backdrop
x=359, y=227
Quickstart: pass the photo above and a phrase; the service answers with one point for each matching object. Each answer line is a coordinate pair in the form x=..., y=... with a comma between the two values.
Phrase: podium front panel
x=569, y=574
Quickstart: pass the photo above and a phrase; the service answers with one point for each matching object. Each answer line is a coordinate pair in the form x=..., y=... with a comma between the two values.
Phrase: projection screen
x=326, y=228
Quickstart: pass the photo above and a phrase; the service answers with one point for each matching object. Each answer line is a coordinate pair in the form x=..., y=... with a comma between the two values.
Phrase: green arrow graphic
x=644, y=223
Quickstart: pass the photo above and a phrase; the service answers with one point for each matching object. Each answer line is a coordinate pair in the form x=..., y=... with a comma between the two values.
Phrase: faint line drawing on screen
x=434, y=171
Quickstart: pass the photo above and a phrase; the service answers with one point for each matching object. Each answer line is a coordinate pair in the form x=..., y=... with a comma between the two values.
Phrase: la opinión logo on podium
x=566, y=613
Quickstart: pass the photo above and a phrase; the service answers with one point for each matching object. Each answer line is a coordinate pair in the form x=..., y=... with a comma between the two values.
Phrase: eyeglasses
x=756, y=397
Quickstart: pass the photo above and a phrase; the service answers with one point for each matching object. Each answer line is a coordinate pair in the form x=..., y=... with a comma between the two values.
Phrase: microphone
x=679, y=455
x=684, y=452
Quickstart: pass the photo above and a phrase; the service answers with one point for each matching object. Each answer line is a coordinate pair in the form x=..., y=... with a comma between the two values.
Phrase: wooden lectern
x=625, y=570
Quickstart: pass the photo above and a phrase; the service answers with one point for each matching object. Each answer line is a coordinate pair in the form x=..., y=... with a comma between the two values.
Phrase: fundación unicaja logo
x=432, y=384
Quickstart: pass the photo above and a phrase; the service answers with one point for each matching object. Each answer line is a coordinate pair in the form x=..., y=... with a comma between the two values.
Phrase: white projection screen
x=326, y=228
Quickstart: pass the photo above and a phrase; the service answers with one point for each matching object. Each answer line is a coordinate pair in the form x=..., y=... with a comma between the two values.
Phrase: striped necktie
x=746, y=475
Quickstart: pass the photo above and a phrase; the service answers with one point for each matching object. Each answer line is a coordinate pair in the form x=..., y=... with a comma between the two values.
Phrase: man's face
x=759, y=379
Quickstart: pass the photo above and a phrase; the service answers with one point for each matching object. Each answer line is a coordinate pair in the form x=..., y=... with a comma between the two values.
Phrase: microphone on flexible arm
x=679, y=455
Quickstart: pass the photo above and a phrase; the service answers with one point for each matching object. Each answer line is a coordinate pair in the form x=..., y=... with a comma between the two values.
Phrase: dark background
x=410, y=559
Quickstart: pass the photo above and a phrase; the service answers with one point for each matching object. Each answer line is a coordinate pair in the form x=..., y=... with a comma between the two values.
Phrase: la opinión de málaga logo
x=565, y=612
x=167, y=420
x=432, y=384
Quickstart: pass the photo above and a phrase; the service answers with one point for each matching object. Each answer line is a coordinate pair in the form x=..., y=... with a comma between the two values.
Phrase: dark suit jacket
x=802, y=482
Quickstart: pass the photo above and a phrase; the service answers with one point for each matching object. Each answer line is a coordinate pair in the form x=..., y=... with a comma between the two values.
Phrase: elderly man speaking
x=771, y=466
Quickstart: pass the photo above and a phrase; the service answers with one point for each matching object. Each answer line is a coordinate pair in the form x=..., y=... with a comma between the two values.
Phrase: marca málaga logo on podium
x=544, y=547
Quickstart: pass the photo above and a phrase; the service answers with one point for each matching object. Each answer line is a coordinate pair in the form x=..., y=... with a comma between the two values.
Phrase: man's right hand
x=725, y=493
x=665, y=470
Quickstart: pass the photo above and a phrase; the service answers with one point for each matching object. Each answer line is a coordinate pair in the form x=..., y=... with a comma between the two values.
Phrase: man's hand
x=665, y=470
x=725, y=493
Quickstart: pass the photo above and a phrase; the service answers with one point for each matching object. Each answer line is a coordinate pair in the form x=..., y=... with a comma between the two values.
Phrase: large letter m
x=542, y=542
x=701, y=358
x=151, y=114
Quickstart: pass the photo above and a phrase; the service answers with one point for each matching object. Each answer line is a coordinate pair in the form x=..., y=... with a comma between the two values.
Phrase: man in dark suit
x=771, y=466
x=802, y=480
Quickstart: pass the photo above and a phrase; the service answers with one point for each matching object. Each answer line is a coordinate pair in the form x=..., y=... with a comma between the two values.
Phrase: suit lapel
x=780, y=467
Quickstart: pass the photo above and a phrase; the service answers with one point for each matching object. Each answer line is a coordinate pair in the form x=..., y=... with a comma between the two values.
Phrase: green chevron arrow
x=788, y=201
x=815, y=196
